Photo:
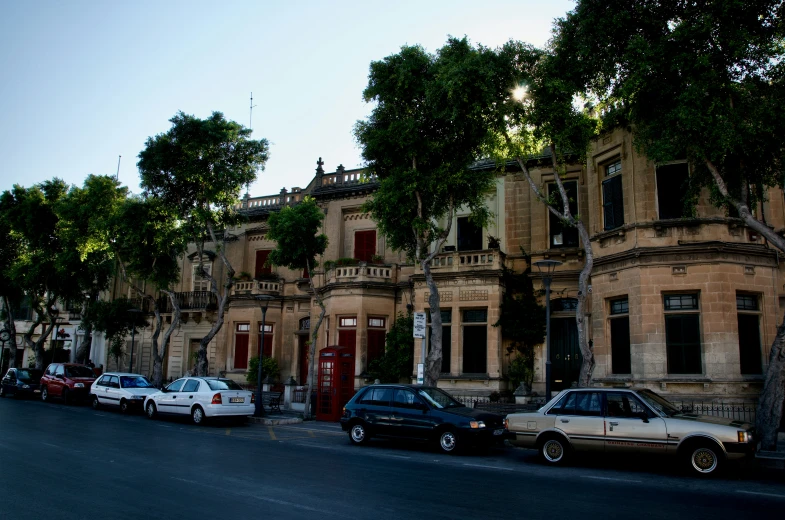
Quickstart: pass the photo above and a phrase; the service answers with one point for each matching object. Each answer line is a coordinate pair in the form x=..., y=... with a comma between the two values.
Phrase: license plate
x=236, y=399
x=498, y=432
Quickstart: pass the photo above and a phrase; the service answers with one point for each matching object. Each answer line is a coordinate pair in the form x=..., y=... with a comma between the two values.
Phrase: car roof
x=121, y=374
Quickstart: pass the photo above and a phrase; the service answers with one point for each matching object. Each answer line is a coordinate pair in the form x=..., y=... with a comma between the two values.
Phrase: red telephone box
x=336, y=382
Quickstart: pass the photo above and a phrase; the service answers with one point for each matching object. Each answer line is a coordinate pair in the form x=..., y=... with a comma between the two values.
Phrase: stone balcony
x=254, y=287
x=362, y=273
x=463, y=261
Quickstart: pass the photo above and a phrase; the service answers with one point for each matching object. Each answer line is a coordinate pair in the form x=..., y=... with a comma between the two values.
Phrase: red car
x=68, y=381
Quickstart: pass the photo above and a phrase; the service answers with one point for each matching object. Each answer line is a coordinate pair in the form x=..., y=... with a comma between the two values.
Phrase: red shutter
x=364, y=245
x=241, y=351
x=375, y=344
x=267, y=351
x=261, y=259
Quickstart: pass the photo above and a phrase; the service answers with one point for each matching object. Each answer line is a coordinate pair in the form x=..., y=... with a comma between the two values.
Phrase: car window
x=192, y=385
x=176, y=386
x=102, y=381
x=79, y=371
x=582, y=403
x=11, y=374
x=50, y=370
x=29, y=374
x=405, y=399
x=620, y=404
x=223, y=384
x=135, y=382
x=377, y=397
x=556, y=409
x=438, y=398
x=59, y=370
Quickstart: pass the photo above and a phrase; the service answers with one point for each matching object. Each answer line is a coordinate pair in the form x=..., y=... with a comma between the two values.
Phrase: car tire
x=150, y=410
x=554, y=450
x=197, y=415
x=703, y=458
x=358, y=434
x=96, y=404
x=449, y=442
x=64, y=397
x=123, y=406
x=44, y=394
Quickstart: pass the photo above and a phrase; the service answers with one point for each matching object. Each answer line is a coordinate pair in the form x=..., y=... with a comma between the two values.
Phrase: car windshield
x=29, y=375
x=659, y=403
x=438, y=398
x=77, y=371
x=223, y=384
x=135, y=382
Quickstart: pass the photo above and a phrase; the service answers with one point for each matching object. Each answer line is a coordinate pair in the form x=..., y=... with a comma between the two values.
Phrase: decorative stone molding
x=474, y=295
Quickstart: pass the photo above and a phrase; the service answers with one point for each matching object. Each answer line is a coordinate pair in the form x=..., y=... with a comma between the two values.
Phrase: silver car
x=629, y=421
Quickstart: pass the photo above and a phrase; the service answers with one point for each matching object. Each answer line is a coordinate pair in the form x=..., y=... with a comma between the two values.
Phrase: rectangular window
x=376, y=323
x=446, y=338
x=364, y=245
x=243, y=327
x=261, y=267
x=561, y=235
x=749, y=335
x=475, y=342
x=671, y=185
x=682, y=334
x=469, y=235
x=612, y=198
x=376, y=338
x=347, y=322
x=199, y=282
x=620, y=337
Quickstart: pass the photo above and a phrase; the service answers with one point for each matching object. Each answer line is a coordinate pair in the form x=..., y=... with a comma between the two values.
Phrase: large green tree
x=299, y=241
x=701, y=80
x=433, y=116
x=197, y=169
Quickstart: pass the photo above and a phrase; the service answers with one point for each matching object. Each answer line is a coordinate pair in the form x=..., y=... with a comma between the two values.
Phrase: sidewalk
x=274, y=419
x=773, y=459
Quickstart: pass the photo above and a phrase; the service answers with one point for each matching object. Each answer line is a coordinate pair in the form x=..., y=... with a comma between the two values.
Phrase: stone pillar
x=288, y=392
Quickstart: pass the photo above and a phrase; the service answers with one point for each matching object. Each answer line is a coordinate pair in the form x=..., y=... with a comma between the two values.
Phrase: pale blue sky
x=86, y=81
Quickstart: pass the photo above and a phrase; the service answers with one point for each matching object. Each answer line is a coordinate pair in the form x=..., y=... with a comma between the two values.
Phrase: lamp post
x=263, y=300
x=134, y=313
x=546, y=269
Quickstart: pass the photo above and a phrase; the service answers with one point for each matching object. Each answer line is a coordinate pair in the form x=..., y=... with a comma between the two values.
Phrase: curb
x=770, y=459
x=270, y=421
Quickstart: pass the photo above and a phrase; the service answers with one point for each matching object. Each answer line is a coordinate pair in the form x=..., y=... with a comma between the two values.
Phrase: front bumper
x=740, y=449
x=485, y=436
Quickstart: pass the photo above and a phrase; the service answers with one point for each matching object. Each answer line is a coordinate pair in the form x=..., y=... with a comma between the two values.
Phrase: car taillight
x=253, y=398
x=506, y=423
x=216, y=399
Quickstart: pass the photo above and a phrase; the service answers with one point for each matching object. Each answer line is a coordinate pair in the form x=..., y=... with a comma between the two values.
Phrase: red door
x=303, y=346
x=241, y=351
x=348, y=338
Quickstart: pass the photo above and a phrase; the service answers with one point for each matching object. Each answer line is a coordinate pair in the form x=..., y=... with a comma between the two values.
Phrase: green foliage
x=269, y=369
x=295, y=229
x=522, y=369
x=396, y=362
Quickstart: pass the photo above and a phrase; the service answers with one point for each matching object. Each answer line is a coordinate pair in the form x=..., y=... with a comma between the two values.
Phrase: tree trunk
x=587, y=351
x=312, y=346
x=11, y=328
x=433, y=362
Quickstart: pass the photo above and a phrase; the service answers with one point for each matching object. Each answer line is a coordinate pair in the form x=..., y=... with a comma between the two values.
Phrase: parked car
x=68, y=381
x=633, y=421
x=418, y=412
x=20, y=382
x=201, y=398
x=121, y=389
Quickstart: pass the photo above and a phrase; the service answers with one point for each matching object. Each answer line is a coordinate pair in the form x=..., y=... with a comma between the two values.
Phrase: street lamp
x=134, y=314
x=263, y=300
x=546, y=269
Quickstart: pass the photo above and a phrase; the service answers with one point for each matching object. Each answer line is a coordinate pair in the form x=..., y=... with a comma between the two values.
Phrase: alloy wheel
x=553, y=451
x=704, y=460
x=448, y=441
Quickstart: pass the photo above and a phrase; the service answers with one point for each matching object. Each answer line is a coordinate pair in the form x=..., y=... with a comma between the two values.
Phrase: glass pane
x=680, y=302
x=475, y=316
x=613, y=168
x=620, y=306
x=746, y=302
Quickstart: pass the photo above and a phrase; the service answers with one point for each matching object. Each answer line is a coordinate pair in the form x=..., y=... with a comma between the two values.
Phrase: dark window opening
x=671, y=186
x=682, y=337
x=562, y=235
x=475, y=350
x=620, y=345
x=261, y=261
x=365, y=245
x=620, y=306
x=681, y=302
x=564, y=304
x=469, y=235
x=749, y=345
x=613, y=202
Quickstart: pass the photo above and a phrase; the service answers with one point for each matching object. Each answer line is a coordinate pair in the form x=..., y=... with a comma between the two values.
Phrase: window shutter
x=364, y=245
x=261, y=260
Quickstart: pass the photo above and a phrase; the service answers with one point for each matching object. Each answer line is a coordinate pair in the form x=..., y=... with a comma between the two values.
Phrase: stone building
x=686, y=305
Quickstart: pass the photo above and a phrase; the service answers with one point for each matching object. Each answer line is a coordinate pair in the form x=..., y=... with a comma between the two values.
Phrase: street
x=70, y=462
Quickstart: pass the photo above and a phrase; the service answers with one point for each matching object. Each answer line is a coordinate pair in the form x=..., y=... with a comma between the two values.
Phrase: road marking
x=760, y=494
x=99, y=415
x=310, y=433
x=272, y=433
x=317, y=446
x=228, y=431
x=52, y=445
x=487, y=467
x=396, y=456
x=614, y=479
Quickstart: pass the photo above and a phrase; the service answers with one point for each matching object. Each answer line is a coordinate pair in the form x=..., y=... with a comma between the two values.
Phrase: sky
x=84, y=82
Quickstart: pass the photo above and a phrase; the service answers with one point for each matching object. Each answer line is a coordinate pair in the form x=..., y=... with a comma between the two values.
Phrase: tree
x=433, y=117
x=197, y=170
x=396, y=362
x=701, y=80
x=295, y=229
x=11, y=294
x=114, y=320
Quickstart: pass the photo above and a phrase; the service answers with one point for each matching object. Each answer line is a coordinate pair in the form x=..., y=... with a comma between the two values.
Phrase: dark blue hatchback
x=418, y=412
x=20, y=382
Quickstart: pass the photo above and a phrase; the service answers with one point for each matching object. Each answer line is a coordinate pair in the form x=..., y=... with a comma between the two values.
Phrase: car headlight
x=476, y=424
x=745, y=436
x=78, y=385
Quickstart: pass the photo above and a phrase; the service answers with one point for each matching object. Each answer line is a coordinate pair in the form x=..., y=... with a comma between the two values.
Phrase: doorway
x=566, y=356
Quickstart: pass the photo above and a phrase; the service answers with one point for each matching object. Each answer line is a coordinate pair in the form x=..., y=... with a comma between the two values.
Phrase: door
x=187, y=396
x=410, y=415
x=375, y=409
x=325, y=386
x=565, y=354
x=302, y=341
x=58, y=383
x=579, y=415
x=167, y=401
x=112, y=390
x=630, y=427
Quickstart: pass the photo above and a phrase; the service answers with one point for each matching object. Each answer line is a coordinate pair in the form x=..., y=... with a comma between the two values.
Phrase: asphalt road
x=69, y=462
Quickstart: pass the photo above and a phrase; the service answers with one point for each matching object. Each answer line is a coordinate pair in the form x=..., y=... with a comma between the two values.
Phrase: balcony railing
x=362, y=273
x=490, y=259
x=192, y=300
x=252, y=287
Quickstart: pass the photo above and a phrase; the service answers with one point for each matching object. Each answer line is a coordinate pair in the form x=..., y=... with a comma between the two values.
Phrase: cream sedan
x=629, y=421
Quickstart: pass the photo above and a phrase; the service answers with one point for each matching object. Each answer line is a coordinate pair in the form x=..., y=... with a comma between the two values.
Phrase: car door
x=409, y=415
x=631, y=427
x=58, y=382
x=579, y=415
x=99, y=389
x=374, y=408
x=167, y=401
x=188, y=396
x=112, y=390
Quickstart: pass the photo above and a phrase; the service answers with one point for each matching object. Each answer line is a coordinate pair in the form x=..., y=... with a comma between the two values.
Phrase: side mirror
x=421, y=406
x=60, y=376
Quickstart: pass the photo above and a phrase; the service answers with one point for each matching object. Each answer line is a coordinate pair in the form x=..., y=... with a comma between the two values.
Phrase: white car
x=121, y=389
x=201, y=398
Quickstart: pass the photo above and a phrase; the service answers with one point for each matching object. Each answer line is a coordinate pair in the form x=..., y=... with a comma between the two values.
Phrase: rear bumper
x=223, y=410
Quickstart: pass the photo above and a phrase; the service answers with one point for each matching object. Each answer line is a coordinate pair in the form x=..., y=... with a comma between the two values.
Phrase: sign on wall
x=419, y=325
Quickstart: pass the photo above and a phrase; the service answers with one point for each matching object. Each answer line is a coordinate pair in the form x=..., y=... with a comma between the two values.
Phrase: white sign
x=420, y=373
x=419, y=324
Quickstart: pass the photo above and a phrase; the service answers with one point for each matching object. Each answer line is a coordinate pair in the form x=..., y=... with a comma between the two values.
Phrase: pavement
x=773, y=460
x=70, y=462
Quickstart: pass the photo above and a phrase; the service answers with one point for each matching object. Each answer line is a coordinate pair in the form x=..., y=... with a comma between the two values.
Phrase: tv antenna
x=250, y=117
x=117, y=175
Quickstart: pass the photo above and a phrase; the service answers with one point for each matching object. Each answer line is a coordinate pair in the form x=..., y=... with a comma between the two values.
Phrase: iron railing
x=299, y=394
x=191, y=300
x=738, y=411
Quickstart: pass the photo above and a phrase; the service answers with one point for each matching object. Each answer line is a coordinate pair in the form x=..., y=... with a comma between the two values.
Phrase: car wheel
x=704, y=458
x=197, y=415
x=448, y=441
x=150, y=410
x=358, y=434
x=95, y=403
x=123, y=406
x=44, y=394
x=64, y=396
x=554, y=450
